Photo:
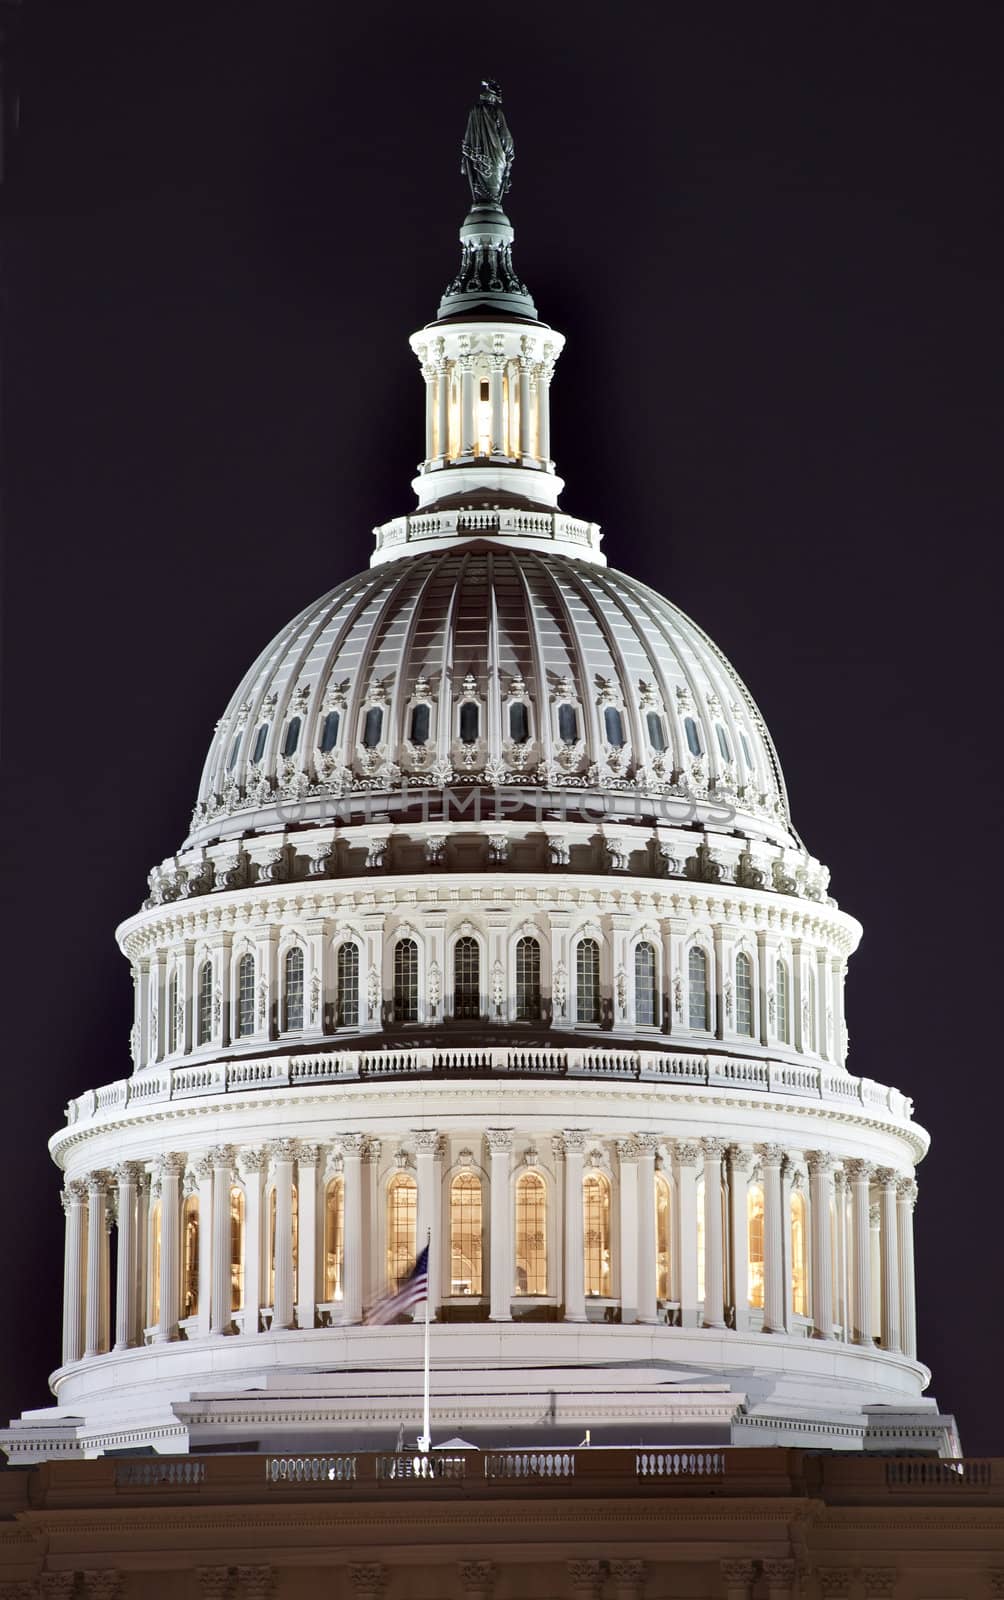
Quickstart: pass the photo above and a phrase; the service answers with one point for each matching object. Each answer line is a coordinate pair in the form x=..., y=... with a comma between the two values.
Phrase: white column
x=820, y=1164
x=838, y=974
x=283, y=1154
x=427, y=1177
x=647, y=1304
x=544, y=406
x=306, y=1259
x=429, y=374
x=443, y=409
x=355, y=1238
x=774, y=1294
x=686, y=1157
x=252, y=1165
x=170, y=1168
x=630, y=1238
x=97, y=1247
x=74, y=1205
x=841, y=1297
x=127, y=1178
x=500, y=1252
x=875, y=1243
x=498, y=421
x=221, y=1159
x=525, y=419
x=714, y=1252
x=886, y=1179
x=906, y=1196
x=204, y=1176
x=859, y=1173
x=823, y=1006
x=575, y=1284
x=467, y=431
x=740, y=1166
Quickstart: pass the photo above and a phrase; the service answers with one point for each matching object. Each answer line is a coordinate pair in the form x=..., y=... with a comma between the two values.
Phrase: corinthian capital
x=857, y=1170
x=713, y=1149
x=221, y=1157
x=906, y=1188
x=283, y=1150
x=170, y=1165
x=772, y=1155
x=127, y=1173
x=886, y=1176
x=574, y=1139
x=687, y=1153
x=499, y=1138
x=819, y=1162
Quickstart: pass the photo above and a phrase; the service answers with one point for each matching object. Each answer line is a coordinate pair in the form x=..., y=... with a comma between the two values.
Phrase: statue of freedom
x=488, y=151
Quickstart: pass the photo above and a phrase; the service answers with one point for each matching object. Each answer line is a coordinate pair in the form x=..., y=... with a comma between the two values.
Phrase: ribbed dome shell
x=620, y=693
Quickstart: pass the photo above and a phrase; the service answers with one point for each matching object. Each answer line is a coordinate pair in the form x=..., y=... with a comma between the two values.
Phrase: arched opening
x=470, y=714
x=420, y=720
x=292, y=990
x=466, y=979
x=645, y=990
x=531, y=1234
x=799, y=1255
x=406, y=981
x=465, y=1234
x=402, y=1222
x=783, y=1002
x=245, y=996
x=372, y=727
x=236, y=1247
x=744, y=995
x=596, y=1233
x=568, y=724
x=519, y=723
x=329, y=732
x=347, y=980
x=205, y=1018
x=334, y=1239
x=699, y=1009
x=754, y=1246
x=613, y=727
x=527, y=980
x=190, y=1256
x=587, y=981
x=663, y=1262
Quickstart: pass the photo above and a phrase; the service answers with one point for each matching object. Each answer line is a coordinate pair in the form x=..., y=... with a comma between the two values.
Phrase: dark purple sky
x=773, y=240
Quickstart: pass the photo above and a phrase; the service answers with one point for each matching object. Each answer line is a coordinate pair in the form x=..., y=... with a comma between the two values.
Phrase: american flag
x=414, y=1288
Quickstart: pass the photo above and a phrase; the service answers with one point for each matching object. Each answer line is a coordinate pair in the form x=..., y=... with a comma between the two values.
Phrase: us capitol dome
x=491, y=928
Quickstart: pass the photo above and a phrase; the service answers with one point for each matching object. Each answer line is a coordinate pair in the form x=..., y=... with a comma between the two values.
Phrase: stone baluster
x=75, y=1207
x=859, y=1174
x=307, y=1250
x=738, y=1577
x=97, y=1256
x=221, y=1159
x=886, y=1179
x=428, y=1164
x=170, y=1169
x=283, y=1154
x=353, y=1145
x=686, y=1157
x=714, y=1248
x=501, y=1258
x=630, y=1238
x=127, y=1177
x=774, y=1285
x=740, y=1166
x=906, y=1196
x=575, y=1279
x=252, y=1165
x=820, y=1164
x=648, y=1308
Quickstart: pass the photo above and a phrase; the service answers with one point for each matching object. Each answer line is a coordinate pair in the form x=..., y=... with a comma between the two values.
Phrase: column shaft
x=252, y=1163
x=647, y=1287
x=906, y=1194
x=820, y=1198
x=740, y=1162
x=467, y=430
x=171, y=1168
x=97, y=1249
x=204, y=1174
x=306, y=1260
x=860, y=1173
x=525, y=419
x=73, y=1275
x=686, y=1157
x=889, y=1246
x=443, y=401
x=221, y=1313
x=284, y=1156
x=500, y=1247
x=353, y=1233
x=774, y=1295
x=575, y=1286
x=126, y=1177
x=714, y=1253
x=427, y=1213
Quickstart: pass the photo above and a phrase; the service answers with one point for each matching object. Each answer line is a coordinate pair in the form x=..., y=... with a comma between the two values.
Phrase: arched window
x=662, y=1237
x=527, y=980
x=420, y=717
x=783, y=1001
x=153, y=1278
x=697, y=983
x=292, y=738
x=747, y=752
x=645, y=992
x=172, y=1014
x=613, y=724
x=568, y=724
x=190, y=1256
x=587, y=981
x=372, y=727
x=292, y=990
x=236, y=1247
x=245, y=996
x=465, y=1234
x=334, y=1239
x=347, y=978
x=402, y=1220
x=693, y=737
x=259, y=743
x=469, y=719
x=656, y=732
x=519, y=723
x=406, y=981
x=754, y=1246
x=799, y=1256
x=234, y=750
x=466, y=978
x=329, y=732
x=205, y=1020
x=723, y=742
x=596, y=1233
x=809, y=1042
x=744, y=995
x=531, y=1234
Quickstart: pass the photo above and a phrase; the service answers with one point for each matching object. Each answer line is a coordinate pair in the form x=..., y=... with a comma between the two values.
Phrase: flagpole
x=425, y=1441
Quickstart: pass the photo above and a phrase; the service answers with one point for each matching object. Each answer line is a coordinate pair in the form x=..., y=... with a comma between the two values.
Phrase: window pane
x=420, y=725
x=236, y=1248
x=754, y=1245
x=614, y=725
x=587, y=985
x=466, y=979
x=245, y=997
x=531, y=1234
x=809, y=1042
x=568, y=724
x=747, y=752
x=697, y=975
x=329, y=732
x=519, y=723
x=234, y=749
x=644, y=985
x=596, y=1233
x=402, y=1215
x=292, y=738
x=372, y=727
x=528, y=980
x=656, y=732
x=293, y=990
x=190, y=1257
x=205, y=1029
x=744, y=995
x=259, y=743
x=468, y=722
x=172, y=1014
x=723, y=742
x=465, y=1234
x=799, y=1258
x=662, y=1238
x=334, y=1239
x=783, y=1004
x=406, y=981
x=693, y=739
x=348, y=986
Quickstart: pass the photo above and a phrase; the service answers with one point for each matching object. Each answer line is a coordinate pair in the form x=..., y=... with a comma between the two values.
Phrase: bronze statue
x=488, y=151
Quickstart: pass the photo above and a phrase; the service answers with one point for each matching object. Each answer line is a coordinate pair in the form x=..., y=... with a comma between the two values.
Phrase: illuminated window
x=154, y=1279
x=744, y=995
x=190, y=1256
x=259, y=743
x=172, y=1013
x=519, y=723
x=347, y=999
x=656, y=732
x=531, y=1234
x=236, y=1247
x=372, y=727
x=809, y=1042
x=273, y=1242
x=723, y=742
x=292, y=990
x=329, y=732
x=402, y=1221
x=292, y=738
x=466, y=979
x=568, y=724
x=406, y=981
x=245, y=996
x=754, y=1246
x=783, y=1004
x=645, y=995
x=697, y=982
x=596, y=1233
x=613, y=724
x=662, y=1237
x=334, y=1239
x=469, y=716
x=420, y=725
x=465, y=1234
x=527, y=980
x=693, y=738
x=799, y=1256
x=205, y=1032
x=587, y=981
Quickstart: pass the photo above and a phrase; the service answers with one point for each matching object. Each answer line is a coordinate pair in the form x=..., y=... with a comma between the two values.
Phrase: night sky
x=772, y=237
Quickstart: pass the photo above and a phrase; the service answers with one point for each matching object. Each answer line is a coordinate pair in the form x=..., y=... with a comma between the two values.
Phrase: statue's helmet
x=490, y=90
